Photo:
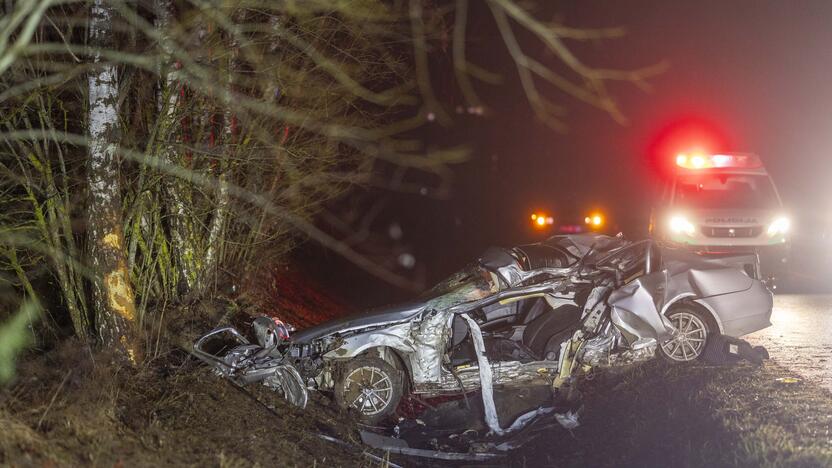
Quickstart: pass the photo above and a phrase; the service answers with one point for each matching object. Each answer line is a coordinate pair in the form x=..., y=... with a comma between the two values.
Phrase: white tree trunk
x=113, y=300
x=216, y=232
x=183, y=249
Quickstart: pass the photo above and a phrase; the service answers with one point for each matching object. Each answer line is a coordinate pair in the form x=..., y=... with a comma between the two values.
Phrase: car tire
x=369, y=386
x=695, y=328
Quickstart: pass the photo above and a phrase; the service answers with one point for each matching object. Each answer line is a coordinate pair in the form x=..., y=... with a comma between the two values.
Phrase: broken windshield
x=629, y=260
x=469, y=284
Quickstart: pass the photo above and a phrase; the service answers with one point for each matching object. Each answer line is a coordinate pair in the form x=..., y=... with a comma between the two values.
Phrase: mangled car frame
x=536, y=314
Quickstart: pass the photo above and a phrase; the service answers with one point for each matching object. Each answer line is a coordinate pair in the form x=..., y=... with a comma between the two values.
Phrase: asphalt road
x=800, y=337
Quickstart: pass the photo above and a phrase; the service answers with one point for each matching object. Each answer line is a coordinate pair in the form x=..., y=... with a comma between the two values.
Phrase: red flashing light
x=702, y=161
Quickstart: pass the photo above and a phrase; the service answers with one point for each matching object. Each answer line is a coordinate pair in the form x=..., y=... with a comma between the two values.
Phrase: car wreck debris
x=488, y=393
x=539, y=315
x=247, y=363
x=728, y=350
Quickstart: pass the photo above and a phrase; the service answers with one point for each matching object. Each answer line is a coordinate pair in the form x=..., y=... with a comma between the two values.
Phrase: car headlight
x=594, y=220
x=779, y=226
x=681, y=225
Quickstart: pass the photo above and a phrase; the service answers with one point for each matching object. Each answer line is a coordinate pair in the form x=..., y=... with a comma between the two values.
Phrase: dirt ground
x=69, y=407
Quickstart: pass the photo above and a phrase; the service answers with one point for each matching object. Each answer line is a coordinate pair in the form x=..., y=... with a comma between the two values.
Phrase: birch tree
x=113, y=297
x=229, y=144
x=217, y=143
x=169, y=110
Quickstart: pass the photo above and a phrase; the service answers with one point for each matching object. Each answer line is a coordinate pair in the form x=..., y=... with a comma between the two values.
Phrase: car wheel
x=369, y=386
x=693, y=329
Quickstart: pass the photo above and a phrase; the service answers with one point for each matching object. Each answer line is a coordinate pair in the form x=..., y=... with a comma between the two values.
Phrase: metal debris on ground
x=400, y=446
x=727, y=350
x=568, y=420
x=787, y=380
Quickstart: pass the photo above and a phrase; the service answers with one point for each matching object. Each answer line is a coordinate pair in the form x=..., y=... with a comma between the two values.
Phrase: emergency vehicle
x=724, y=204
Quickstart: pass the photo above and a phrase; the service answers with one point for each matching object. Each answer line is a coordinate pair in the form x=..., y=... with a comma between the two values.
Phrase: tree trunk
x=113, y=301
x=182, y=243
x=216, y=231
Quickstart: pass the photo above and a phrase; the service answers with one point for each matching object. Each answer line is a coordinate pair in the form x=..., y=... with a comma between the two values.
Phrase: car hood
x=380, y=316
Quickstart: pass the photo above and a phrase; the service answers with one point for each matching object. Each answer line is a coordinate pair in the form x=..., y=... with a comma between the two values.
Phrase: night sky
x=749, y=75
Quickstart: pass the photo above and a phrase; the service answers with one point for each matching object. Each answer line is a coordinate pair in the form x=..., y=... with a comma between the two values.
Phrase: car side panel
x=742, y=312
x=739, y=304
x=719, y=281
x=421, y=341
x=393, y=336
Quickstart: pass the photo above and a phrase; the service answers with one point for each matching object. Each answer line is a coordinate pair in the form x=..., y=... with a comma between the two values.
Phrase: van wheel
x=370, y=386
x=693, y=330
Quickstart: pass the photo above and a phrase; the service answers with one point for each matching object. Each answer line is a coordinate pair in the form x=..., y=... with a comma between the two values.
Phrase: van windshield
x=725, y=191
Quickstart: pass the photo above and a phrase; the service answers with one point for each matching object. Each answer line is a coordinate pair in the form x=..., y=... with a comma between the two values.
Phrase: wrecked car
x=544, y=313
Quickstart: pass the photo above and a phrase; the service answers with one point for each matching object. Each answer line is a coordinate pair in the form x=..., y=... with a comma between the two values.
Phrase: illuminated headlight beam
x=680, y=225
x=779, y=226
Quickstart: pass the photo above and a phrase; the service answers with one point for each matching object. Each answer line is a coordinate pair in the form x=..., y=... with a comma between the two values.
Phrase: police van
x=724, y=204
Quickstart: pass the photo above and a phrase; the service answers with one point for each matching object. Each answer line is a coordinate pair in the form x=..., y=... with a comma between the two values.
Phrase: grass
x=70, y=408
x=170, y=412
x=681, y=416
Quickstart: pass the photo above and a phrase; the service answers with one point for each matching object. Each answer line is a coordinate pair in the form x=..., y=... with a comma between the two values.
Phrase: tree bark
x=216, y=231
x=113, y=299
x=182, y=242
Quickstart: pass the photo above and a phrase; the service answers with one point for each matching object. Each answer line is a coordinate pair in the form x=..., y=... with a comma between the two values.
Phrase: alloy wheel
x=689, y=337
x=368, y=389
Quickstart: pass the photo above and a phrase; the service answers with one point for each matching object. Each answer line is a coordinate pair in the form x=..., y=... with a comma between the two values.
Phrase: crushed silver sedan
x=536, y=314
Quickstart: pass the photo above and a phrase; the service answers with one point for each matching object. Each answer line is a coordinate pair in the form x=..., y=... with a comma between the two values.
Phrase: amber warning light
x=542, y=220
x=594, y=220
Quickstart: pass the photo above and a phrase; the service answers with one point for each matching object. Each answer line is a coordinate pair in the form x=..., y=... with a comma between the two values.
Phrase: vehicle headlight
x=594, y=220
x=681, y=225
x=779, y=226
